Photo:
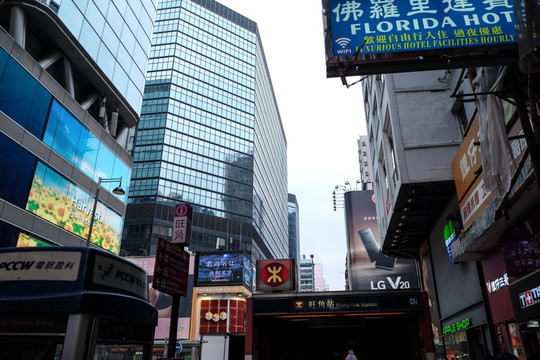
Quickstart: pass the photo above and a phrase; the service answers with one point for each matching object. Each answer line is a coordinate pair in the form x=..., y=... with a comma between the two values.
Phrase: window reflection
x=75, y=143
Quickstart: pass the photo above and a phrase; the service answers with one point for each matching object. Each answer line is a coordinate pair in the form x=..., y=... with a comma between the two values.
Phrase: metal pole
x=173, y=328
x=93, y=213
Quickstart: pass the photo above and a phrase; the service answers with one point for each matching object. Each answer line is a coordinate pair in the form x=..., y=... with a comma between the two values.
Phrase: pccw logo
x=106, y=271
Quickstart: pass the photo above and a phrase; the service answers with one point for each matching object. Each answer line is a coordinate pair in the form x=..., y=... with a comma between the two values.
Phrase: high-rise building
x=318, y=275
x=210, y=135
x=294, y=229
x=71, y=80
x=307, y=274
x=364, y=159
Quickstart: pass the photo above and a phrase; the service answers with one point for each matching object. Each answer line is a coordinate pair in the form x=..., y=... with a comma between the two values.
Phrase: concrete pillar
x=17, y=25
x=68, y=77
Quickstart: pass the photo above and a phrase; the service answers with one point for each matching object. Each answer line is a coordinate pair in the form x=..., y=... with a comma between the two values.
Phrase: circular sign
x=181, y=210
x=275, y=274
x=178, y=347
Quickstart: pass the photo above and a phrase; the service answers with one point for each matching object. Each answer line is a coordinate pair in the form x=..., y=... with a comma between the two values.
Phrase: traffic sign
x=171, y=268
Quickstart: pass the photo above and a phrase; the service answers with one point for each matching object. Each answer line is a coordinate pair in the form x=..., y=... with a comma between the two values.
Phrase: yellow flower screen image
x=57, y=200
x=27, y=240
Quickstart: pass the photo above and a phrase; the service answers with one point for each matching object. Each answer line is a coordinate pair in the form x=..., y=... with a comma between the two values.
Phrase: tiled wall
x=215, y=313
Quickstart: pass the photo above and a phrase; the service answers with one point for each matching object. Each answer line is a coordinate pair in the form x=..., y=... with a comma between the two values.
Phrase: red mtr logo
x=274, y=274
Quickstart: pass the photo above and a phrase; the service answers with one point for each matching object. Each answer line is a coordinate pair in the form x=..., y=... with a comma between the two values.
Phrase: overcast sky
x=322, y=120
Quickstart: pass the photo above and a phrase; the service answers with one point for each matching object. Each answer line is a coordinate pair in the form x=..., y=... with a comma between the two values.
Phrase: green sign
x=449, y=238
x=457, y=326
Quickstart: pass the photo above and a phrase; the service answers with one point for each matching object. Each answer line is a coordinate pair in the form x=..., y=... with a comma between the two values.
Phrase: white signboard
x=182, y=224
x=119, y=275
x=43, y=265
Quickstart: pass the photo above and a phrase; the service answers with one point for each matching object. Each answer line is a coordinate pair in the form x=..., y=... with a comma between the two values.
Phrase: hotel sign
x=359, y=29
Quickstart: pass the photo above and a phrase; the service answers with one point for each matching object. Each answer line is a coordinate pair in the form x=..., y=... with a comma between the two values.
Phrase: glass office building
x=116, y=35
x=210, y=135
x=62, y=129
x=294, y=228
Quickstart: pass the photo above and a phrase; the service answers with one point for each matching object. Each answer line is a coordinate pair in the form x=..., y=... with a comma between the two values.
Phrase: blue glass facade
x=116, y=34
x=35, y=129
x=209, y=135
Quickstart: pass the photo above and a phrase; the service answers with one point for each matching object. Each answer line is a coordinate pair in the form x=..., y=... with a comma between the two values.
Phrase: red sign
x=276, y=275
x=182, y=224
x=171, y=268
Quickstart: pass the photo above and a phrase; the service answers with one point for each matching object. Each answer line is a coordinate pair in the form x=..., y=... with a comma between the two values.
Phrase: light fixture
x=117, y=191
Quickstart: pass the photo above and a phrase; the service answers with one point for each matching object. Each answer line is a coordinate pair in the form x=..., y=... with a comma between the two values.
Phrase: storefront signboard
x=457, y=326
x=414, y=35
x=525, y=297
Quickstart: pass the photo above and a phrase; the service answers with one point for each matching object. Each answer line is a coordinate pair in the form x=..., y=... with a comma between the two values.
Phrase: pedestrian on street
x=350, y=354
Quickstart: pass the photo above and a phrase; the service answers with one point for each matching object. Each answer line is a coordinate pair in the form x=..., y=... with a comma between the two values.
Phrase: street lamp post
x=117, y=190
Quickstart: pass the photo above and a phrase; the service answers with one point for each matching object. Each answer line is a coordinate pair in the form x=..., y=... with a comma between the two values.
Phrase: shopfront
x=463, y=327
x=520, y=249
x=525, y=332
x=73, y=303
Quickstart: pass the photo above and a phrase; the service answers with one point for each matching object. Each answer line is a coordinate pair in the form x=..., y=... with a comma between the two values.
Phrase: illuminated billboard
x=55, y=199
x=368, y=37
x=368, y=267
x=27, y=240
x=229, y=268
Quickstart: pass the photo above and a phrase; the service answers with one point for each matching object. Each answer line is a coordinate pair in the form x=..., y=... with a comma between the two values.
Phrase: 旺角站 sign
x=391, y=26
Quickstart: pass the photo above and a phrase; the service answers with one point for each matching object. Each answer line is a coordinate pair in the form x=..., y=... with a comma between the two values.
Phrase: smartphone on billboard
x=385, y=262
x=370, y=243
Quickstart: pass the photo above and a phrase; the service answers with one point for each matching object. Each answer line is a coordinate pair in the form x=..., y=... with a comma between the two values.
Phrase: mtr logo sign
x=276, y=275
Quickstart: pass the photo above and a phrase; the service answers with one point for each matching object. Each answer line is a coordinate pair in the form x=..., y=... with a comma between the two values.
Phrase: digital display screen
x=55, y=199
x=224, y=269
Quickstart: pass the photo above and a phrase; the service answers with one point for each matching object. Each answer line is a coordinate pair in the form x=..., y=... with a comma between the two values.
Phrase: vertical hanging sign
x=182, y=224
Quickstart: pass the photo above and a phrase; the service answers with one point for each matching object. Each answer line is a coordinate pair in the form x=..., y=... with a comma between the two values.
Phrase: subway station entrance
x=382, y=325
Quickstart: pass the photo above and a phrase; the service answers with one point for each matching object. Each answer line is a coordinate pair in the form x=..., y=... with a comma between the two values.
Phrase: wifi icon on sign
x=343, y=42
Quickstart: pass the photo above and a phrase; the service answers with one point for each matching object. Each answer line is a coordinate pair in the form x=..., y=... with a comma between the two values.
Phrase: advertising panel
x=467, y=165
x=468, y=160
x=27, y=240
x=368, y=267
x=55, y=199
x=361, y=37
x=230, y=268
x=525, y=297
